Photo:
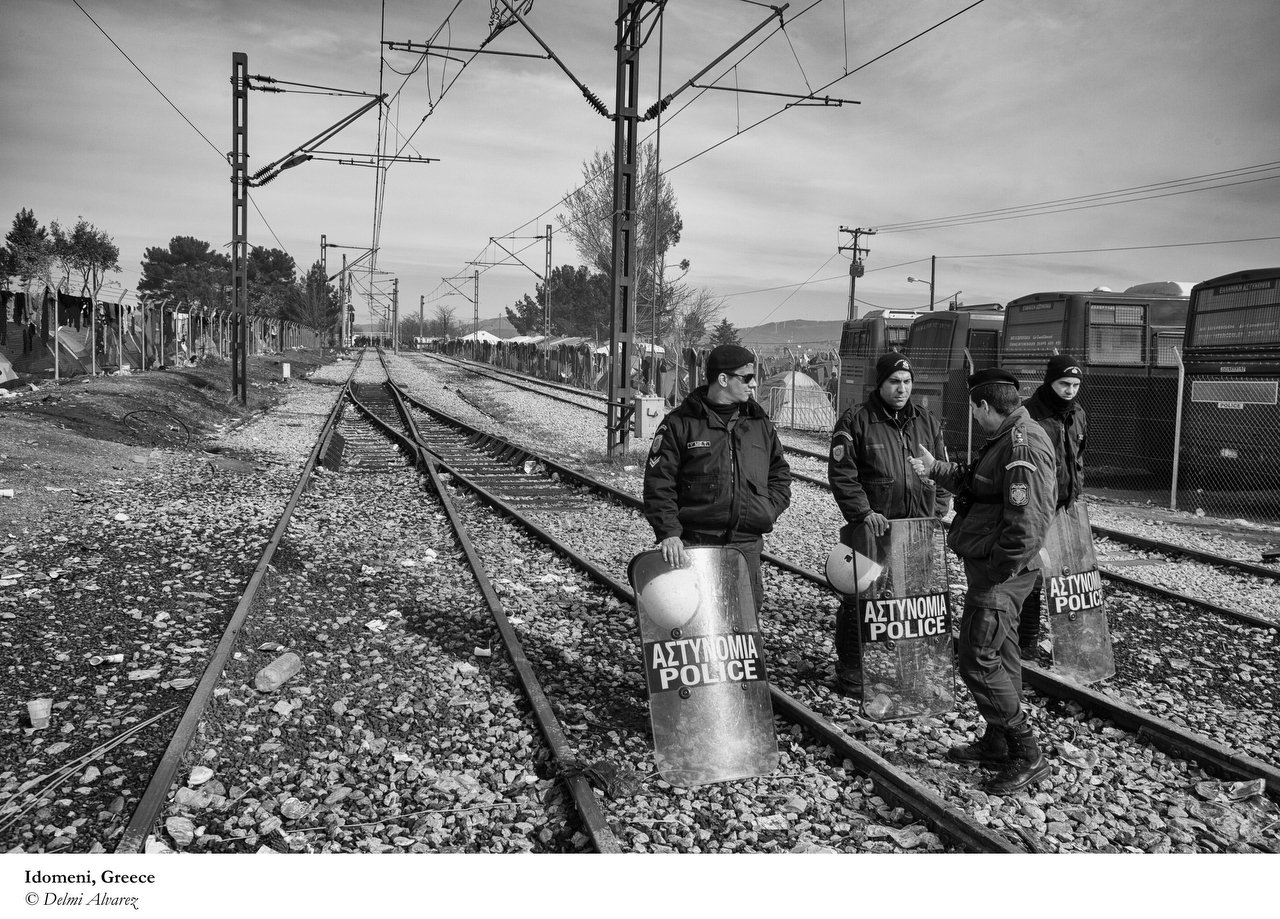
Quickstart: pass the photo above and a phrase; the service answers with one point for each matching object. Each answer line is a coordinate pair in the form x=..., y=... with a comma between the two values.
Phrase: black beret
x=992, y=375
x=726, y=359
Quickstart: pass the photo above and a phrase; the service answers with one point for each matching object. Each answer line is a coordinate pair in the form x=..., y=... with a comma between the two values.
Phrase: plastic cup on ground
x=38, y=711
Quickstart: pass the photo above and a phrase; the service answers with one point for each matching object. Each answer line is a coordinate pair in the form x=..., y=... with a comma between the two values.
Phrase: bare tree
x=442, y=321
x=658, y=225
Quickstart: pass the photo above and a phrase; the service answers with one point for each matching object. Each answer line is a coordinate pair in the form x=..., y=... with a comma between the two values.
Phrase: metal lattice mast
x=622, y=269
x=240, y=225
x=546, y=290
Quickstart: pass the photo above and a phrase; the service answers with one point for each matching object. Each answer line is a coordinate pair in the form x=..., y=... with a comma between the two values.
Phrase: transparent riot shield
x=705, y=667
x=1074, y=601
x=904, y=617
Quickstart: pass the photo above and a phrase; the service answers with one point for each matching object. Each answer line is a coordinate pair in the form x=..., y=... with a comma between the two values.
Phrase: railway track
x=1152, y=726
x=579, y=398
x=182, y=807
x=528, y=498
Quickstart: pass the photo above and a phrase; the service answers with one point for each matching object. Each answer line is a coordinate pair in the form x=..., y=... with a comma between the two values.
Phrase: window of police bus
x=1035, y=329
x=929, y=342
x=895, y=336
x=855, y=343
x=1236, y=316
x=1117, y=333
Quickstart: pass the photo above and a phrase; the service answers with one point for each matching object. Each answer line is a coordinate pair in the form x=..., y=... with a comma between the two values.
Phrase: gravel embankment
x=113, y=615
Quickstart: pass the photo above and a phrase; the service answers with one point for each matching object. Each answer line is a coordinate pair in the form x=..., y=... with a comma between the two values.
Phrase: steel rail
x=1148, y=727
x=466, y=363
x=157, y=791
x=584, y=797
x=1138, y=584
x=890, y=782
x=1178, y=596
x=801, y=451
x=568, y=472
x=1170, y=548
x=496, y=376
x=1157, y=731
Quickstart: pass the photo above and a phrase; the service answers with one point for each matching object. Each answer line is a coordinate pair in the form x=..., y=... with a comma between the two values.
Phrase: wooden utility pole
x=856, y=268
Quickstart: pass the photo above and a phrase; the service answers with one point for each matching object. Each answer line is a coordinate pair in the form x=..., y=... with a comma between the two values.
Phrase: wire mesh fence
x=65, y=337
x=1229, y=446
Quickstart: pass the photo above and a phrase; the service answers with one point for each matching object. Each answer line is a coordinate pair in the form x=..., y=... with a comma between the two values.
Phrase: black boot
x=848, y=681
x=848, y=676
x=990, y=751
x=1027, y=764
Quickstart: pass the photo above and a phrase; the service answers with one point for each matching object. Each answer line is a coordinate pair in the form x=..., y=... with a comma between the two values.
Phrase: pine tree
x=724, y=334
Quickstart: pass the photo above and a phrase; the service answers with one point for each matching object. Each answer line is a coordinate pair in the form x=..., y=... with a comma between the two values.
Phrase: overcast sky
x=1010, y=103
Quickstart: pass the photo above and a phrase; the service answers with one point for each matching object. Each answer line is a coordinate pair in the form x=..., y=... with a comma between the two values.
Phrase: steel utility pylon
x=239, y=158
x=626, y=120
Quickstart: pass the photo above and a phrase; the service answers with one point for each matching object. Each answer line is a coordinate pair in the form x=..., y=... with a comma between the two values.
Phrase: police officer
x=1055, y=406
x=873, y=483
x=716, y=475
x=1004, y=505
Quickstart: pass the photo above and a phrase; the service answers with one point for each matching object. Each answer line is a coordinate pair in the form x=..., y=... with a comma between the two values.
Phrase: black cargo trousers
x=990, y=664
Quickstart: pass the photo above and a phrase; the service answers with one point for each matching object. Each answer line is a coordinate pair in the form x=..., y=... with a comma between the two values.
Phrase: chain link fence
x=66, y=337
x=1229, y=446
x=1209, y=443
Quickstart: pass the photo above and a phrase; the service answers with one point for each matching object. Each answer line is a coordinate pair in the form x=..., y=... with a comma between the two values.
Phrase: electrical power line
x=182, y=114
x=1165, y=189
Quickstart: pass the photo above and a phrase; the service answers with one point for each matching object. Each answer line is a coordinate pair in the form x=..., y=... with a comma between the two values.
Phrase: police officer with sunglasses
x=716, y=474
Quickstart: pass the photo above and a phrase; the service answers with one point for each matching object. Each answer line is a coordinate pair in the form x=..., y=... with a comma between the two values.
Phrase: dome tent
x=795, y=400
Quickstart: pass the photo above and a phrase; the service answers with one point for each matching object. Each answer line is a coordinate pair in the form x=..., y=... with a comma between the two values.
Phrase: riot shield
x=904, y=617
x=1073, y=598
x=705, y=667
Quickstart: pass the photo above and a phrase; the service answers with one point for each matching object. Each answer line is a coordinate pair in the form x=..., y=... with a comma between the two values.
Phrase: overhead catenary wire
x=740, y=131
x=182, y=115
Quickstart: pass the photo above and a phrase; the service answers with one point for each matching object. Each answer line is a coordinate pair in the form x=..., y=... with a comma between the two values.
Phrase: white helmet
x=671, y=599
x=851, y=572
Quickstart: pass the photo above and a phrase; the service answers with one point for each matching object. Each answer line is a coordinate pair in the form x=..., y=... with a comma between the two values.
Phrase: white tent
x=639, y=347
x=6, y=370
x=795, y=400
x=482, y=335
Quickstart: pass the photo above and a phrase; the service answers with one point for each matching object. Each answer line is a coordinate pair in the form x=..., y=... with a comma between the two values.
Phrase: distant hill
x=808, y=332
x=811, y=333
x=815, y=335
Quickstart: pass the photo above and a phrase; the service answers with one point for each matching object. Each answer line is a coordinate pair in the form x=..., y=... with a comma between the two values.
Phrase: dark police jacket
x=1005, y=500
x=868, y=468
x=1067, y=436
x=709, y=478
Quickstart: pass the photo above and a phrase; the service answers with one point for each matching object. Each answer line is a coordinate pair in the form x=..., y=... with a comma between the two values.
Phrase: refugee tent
x=482, y=336
x=795, y=400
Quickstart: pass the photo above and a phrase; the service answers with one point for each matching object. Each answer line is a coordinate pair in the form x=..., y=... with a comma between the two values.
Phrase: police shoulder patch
x=1018, y=494
x=837, y=452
